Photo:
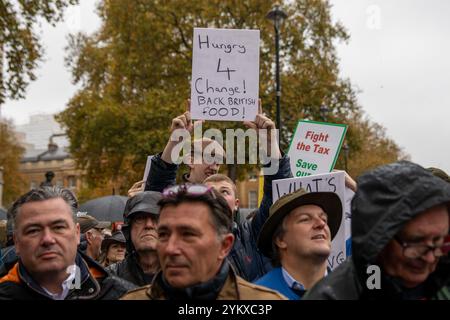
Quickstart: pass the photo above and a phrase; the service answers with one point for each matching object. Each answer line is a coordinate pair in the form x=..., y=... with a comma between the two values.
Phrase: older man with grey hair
x=46, y=236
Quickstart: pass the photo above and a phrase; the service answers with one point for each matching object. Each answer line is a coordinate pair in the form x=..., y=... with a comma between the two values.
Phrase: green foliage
x=10, y=154
x=20, y=48
x=135, y=74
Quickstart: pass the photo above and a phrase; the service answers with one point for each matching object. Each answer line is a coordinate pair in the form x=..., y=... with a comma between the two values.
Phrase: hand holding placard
x=266, y=136
x=184, y=121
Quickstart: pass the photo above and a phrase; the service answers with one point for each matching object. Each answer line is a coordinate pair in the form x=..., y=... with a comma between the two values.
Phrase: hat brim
x=103, y=225
x=328, y=201
x=109, y=241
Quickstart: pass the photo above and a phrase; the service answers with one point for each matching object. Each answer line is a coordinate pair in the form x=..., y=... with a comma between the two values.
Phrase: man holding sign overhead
x=244, y=256
x=225, y=80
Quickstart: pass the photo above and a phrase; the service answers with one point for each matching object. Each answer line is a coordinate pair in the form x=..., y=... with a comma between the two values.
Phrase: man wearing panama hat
x=297, y=237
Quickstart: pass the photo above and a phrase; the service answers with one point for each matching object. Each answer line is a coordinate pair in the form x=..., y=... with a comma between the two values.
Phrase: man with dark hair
x=141, y=220
x=297, y=236
x=400, y=217
x=46, y=236
x=194, y=239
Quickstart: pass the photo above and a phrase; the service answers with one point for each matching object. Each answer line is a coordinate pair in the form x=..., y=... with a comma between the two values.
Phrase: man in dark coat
x=400, y=219
x=46, y=236
x=141, y=220
x=245, y=257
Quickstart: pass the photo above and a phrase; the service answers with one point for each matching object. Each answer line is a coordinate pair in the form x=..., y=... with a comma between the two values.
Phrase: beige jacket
x=235, y=288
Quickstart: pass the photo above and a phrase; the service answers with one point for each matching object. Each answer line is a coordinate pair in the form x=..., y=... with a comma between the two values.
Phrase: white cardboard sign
x=147, y=167
x=329, y=182
x=225, y=74
x=315, y=147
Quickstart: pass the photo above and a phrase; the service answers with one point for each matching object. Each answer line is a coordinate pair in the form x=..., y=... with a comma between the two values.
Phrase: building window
x=252, y=176
x=59, y=183
x=252, y=199
x=33, y=185
x=72, y=182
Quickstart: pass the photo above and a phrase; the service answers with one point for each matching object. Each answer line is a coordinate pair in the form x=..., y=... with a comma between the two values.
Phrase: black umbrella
x=2, y=214
x=109, y=208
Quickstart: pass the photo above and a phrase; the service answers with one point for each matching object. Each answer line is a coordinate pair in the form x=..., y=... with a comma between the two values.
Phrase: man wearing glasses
x=141, y=220
x=400, y=217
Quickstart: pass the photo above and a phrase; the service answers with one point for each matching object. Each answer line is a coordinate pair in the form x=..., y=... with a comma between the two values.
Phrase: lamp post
x=277, y=16
x=323, y=112
x=346, y=148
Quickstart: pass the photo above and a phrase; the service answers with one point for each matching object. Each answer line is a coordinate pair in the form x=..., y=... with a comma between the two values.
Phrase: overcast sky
x=397, y=57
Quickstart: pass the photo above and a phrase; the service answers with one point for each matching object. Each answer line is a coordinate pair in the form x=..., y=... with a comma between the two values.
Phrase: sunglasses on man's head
x=194, y=190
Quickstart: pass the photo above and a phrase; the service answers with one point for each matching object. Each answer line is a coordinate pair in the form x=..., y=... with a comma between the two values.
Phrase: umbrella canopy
x=109, y=208
x=2, y=214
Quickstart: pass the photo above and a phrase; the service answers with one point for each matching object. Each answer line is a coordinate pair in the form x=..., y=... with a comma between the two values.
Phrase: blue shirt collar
x=291, y=282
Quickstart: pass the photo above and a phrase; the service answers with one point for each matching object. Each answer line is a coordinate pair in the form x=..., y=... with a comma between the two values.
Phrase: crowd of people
x=183, y=241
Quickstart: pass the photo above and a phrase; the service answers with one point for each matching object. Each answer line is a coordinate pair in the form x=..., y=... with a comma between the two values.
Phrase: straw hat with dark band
x=328, y=201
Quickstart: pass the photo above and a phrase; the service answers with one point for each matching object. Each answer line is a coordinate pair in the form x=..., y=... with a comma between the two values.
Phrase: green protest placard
x=315, y=147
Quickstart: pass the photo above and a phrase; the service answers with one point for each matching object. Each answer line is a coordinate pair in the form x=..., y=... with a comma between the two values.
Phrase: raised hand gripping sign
x=225, y=74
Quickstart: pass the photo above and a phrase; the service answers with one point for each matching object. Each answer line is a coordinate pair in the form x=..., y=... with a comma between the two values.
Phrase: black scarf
x=208, y=290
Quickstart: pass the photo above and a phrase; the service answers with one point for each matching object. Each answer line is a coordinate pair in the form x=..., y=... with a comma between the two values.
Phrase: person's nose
x=47, y=238
x=149, y=223
x=319, y=223
x=429, y=257
x=172, y=246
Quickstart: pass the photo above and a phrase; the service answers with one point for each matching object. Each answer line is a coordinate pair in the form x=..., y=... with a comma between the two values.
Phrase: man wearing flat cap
x=91, y=231
x=141, y=217
x=297, y=237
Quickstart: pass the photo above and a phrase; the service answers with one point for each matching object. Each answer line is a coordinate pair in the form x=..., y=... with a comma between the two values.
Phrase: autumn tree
x=20, y=47
x=135, y=72
x=10, y=154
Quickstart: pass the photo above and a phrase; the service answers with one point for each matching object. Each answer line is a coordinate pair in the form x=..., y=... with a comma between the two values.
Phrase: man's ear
x=279, y=242
x=227, y=244
x=88, y=236
x=236, y=204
